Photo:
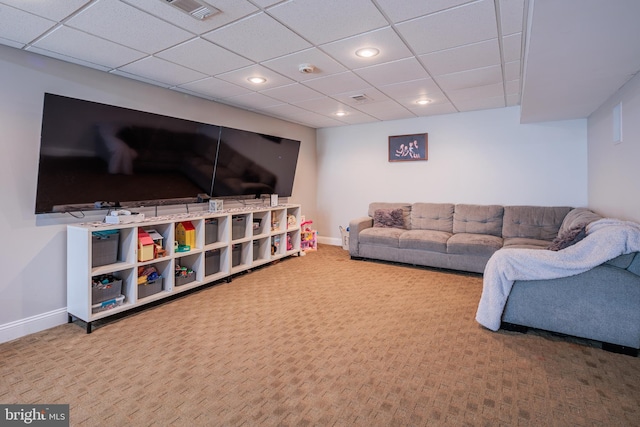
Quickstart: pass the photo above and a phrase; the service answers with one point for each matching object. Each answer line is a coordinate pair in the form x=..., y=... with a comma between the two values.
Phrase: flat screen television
x=93, y=153
x=250, y=163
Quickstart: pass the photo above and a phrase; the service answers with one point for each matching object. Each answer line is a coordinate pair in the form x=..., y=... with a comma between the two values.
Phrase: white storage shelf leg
x=213, y=246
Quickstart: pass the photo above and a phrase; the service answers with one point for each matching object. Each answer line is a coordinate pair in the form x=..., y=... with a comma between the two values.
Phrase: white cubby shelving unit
x=226, y=243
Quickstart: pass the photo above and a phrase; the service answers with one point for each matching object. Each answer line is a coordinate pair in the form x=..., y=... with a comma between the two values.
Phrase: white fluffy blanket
x=606, y=239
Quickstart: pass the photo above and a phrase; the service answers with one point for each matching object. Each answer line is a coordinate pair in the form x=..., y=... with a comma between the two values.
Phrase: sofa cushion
x=388, y=218
x=432, y=216
x=622, y=261
x=525, y=243
x=478, y=219
x=568, y=238
x=578, y=216
x=406, y=210
x=428, y=240
x=381, y=236
x=473, y=244
x=533, y=222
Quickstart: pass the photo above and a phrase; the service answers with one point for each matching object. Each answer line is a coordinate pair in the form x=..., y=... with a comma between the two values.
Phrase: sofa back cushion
x=577, y=217
x=533, y=222
x=478, y=219
x=406, y=210
x=432, y=216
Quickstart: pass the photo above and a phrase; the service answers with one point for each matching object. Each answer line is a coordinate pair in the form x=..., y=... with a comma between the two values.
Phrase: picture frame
x=408, y=148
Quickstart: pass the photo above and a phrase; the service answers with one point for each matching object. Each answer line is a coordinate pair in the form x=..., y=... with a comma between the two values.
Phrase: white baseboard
x=335, y=241
x=20, y=328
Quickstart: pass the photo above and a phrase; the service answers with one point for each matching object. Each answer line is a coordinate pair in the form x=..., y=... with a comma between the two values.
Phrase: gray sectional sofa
x=453, y=236
x=601, y=304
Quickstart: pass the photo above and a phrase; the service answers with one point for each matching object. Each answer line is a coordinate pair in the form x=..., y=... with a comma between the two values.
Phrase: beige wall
x=614, y=171
x=478, y=157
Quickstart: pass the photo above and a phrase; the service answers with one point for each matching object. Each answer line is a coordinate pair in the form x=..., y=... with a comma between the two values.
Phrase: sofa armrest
x=355, y=227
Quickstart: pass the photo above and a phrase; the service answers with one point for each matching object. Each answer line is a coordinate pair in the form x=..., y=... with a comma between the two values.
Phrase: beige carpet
x=321, y=340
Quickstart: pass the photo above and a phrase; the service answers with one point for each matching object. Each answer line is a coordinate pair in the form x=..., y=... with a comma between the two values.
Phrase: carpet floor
x=321, y=340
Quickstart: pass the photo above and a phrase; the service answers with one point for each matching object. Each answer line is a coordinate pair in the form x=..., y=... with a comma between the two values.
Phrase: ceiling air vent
x=198, y=9
x=360, y=98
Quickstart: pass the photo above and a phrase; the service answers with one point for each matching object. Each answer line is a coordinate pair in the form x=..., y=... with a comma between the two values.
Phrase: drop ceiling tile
x=412, y=102
x=285, y=110
x=68, y=59
x=433, y=110
x=328, y=20
x=162, y=71
x=231, y=10
x=289, y=65
x=511, y=16
x=126, y=25
x=253, y=101
x=412, y=89
x=192, y=93
x=204, y=56
x=292, y=93
x=512, y=70
x=140, y=78
x=315, y=120
x=385, y=39
x=51, y=10
x=480, y=104
x=258, y=37
x=266, y=3
x=357, y=118
x=11, y=43
x=472, y=78
x=386, y=110
x=471, y=23
x=216, y=88
x=337, y=83
x=467, y=57
x=21, y=27
x=512, y=47
x=407, y=9
x=72, y=43
x=325, y=106
x=478, y=92
x=373, y=96
x=240, y=76
x=393, y=72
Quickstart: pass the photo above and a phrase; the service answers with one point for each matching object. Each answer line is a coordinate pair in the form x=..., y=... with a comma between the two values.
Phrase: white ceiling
x=558, y=59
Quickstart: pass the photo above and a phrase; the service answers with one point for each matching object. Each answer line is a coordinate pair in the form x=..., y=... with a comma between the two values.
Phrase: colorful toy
x=186, y=234
x=146, y=246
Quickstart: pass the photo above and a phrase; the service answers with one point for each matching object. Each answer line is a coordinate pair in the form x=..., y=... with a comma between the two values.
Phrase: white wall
x=478, y=157
x=33, y=258
x=614, y=171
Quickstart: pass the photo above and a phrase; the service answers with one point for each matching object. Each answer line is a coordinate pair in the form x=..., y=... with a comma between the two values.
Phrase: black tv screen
x=92, y=152
x=250, y=163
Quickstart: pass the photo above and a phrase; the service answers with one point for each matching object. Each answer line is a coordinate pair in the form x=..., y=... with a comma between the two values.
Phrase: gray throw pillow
x=388, y=218
x=569, y=237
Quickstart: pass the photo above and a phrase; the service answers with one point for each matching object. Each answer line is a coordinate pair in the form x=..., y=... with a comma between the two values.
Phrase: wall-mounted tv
x=92, y=152
x=250, y=163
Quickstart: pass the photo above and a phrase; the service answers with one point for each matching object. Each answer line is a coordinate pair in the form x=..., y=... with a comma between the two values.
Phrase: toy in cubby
x=308, y=240
x=275, y=244
x=147, y=274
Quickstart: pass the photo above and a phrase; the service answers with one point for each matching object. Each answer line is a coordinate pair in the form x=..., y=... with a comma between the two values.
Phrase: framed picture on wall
x=406, y=148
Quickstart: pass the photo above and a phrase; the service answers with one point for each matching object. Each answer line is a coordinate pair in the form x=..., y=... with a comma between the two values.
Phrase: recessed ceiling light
x=341, y=113
x=257, y=80
x=367, y=52
x=423, y=101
